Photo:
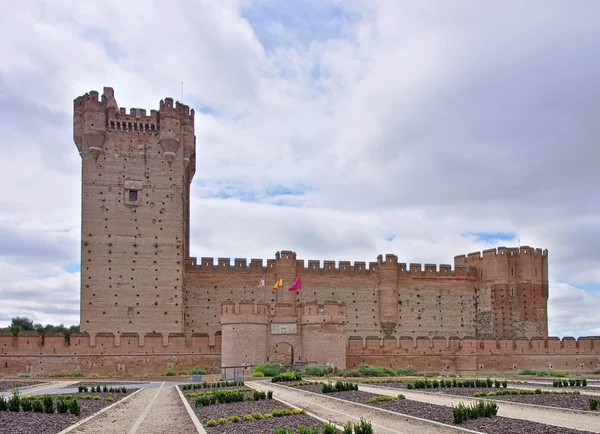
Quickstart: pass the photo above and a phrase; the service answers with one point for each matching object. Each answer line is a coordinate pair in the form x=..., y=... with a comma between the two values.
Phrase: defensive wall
x=148, y=355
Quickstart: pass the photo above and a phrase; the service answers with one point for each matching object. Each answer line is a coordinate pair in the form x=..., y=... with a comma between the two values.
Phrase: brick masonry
x=146, y=305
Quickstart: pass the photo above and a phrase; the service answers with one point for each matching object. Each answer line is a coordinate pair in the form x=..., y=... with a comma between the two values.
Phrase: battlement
x=502, y=251
x=118, y=119
x=330, y=267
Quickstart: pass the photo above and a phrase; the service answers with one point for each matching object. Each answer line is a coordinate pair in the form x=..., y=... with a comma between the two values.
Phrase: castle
x=146, y=305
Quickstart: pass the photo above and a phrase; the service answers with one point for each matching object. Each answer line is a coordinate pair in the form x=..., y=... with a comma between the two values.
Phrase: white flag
x=261, y=284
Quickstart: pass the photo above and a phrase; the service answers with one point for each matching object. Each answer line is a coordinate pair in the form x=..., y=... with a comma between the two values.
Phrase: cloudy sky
x=338, y=129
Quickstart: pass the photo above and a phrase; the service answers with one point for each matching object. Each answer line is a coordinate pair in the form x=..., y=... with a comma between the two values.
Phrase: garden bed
x=26, y=422
x=266, y=416
x=7, y=386
x=443, y=414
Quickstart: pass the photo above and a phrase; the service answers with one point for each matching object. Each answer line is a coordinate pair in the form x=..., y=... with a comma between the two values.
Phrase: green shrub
x=222, y=421
x=314, y=430
x=26, y=404
x=314, y=371
x=348, y=428
x=37, y=406
x=462, y=412
x=14, y=402
x=235, y=419
x=170, y=373
x=283, y=430
x=268, y=369
x=594, y=403
x=61, y=405
x=3, y=404
x=363, y=427
x=104, y=389
x=48, y=403
x=110, y=398
x=339, y=386
x=406, y=372
x=247, y=417
x=287, y=376
x=211, y=423
x=270, y=394
x=74, y=407
x=258, y=374
x=329, y=429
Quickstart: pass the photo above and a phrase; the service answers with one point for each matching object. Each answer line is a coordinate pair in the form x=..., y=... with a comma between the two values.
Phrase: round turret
x=168, y=135
x=244, y=334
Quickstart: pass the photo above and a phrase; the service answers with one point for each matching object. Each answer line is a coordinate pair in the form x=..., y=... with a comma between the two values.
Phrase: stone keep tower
x=136, y=173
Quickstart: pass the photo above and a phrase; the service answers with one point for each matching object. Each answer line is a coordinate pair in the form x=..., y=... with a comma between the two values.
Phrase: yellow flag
x=278, y=284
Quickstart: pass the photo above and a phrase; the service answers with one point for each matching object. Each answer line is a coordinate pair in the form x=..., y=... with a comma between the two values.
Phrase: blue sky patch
x=305, y=20
x=390, y=237
x=491, y=237
x=73, y=267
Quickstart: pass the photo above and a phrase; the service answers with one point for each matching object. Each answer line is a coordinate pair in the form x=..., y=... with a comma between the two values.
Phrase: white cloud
x=419, y=122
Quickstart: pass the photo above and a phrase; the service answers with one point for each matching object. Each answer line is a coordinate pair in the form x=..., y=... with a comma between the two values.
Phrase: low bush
x=14, y=402
x=569, y=382
x=594, y=403
x=338, y=386
x=287, y=376
x=267, y=369
x=62, y=405
x=525, y=392
x=407, y=372
x=74, y=407
x=211, y=423
x=3, y=404
x=462, y=412
x=329, y=428
x=48, y=403
x=235, y=419
x=386, y=398
x=363, y=427
x=314, y=371
x=26, y=404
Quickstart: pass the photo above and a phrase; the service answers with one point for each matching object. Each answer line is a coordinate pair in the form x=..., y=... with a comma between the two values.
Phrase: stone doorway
x=282, y=353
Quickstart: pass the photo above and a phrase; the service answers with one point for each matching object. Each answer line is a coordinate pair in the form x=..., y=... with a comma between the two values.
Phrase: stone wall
x=27, y=354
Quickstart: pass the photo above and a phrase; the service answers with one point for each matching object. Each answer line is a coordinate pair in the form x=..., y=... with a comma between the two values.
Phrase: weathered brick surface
x=143, y=295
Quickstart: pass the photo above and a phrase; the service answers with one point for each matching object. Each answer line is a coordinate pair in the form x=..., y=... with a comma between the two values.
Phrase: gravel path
x=167, y=415
x=151, y=411
x=7, y=386
x=556, y=417
x=340, y=412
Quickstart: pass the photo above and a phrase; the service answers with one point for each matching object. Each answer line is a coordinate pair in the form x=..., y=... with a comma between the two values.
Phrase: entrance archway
x=281, y=353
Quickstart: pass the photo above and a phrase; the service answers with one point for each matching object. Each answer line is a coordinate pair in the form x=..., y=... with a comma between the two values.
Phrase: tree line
x=22, y=324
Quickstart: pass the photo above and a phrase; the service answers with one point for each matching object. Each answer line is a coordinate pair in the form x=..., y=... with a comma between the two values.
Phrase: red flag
x=296, y=286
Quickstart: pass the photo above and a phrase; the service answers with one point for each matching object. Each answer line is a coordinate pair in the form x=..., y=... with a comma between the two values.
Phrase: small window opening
x=133, y=195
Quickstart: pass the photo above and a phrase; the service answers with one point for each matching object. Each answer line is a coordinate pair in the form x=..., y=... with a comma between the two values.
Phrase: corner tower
x=136, y=175
x=512, y=292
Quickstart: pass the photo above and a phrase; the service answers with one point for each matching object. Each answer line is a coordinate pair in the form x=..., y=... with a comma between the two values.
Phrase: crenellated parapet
x=314, y=267
x=96, y=117
x=244, y=312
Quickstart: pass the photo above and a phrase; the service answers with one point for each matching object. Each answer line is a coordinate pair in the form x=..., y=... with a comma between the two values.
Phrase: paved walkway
x=550, y=416
x=340, y=412
x=154, y=410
